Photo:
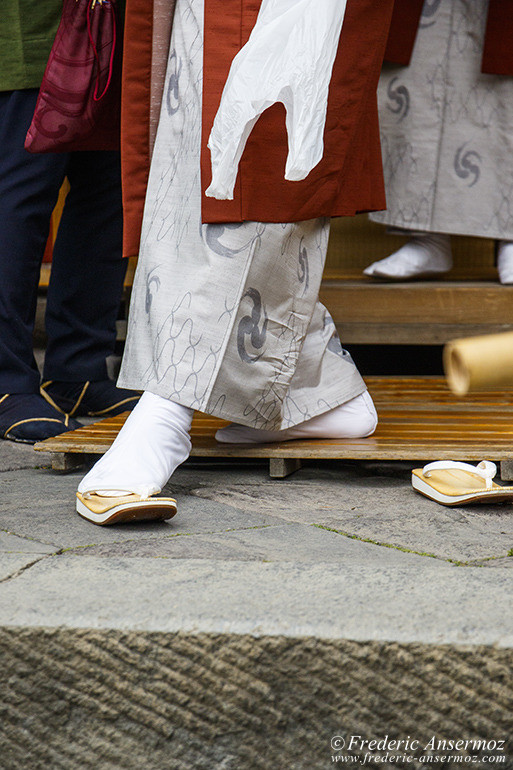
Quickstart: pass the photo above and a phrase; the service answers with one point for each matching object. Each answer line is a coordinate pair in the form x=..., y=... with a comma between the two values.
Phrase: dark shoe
x=27, y=418
x=92, y=399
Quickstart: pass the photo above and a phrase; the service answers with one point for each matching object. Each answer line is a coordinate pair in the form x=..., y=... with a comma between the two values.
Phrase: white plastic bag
x=288, y=58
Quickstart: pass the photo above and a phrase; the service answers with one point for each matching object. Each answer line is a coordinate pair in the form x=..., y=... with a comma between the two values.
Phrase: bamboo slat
x=420, y=419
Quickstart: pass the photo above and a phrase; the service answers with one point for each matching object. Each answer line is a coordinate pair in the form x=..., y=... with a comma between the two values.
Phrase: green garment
x=27, y=31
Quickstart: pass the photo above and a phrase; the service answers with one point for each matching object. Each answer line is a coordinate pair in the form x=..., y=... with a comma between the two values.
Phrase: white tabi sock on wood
x=356, y=418
x=423, y=255
x=505, y=261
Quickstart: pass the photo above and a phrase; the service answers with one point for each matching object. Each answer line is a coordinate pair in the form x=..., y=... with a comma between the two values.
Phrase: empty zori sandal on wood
x=453, y=483
x=108, y=508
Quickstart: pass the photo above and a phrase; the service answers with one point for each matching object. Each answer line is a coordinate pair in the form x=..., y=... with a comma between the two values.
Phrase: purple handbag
x=79, y=102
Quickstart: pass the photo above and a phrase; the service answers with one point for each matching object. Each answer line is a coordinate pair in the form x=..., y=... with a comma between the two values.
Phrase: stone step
x=186, y=663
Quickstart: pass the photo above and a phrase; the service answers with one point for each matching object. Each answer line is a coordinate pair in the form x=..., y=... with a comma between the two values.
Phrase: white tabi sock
x=505, y=261
x=423, y=255
x=356, y=418
x=150, y=446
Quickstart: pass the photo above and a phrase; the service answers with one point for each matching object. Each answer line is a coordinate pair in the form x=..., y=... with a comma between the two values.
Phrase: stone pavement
x=265, y=619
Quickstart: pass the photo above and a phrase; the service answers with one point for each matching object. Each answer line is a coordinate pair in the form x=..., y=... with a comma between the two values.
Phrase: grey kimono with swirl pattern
x=225, y=318
x=447, y=130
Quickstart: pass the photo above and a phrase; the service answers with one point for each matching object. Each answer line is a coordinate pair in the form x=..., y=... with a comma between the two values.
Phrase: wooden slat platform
x=419, y=420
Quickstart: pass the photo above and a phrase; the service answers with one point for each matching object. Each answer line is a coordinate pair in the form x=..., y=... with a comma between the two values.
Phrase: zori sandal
x=103, y=508
x=453, y=483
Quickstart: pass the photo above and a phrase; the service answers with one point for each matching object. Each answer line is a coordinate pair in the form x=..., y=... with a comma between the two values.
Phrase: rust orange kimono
x=348, y=179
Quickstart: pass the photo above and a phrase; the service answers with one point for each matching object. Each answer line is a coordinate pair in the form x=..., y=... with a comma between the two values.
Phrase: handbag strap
x=90, y=7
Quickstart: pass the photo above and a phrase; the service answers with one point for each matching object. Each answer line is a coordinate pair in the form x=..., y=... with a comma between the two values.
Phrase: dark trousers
x=87, y=270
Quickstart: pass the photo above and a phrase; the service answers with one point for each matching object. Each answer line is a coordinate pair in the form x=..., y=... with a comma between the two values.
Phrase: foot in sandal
x=121, y=486
x=356, y=418
x=454, y=483
x=117, y=507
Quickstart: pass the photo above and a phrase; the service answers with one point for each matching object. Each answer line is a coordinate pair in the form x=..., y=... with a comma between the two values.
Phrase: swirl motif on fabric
x=249, y=326
x=214, y=234
x=173, y=88
x=465, y=164
x=430, y=9
x=399, y=99
x=152, y=285
x=303, y=271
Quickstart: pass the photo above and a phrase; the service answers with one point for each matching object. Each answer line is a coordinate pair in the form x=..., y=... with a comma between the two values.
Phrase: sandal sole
x=128, y=512
x=488, y=496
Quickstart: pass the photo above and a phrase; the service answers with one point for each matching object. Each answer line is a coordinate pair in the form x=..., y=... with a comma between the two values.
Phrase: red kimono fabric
x=498, y=49
x=348, y=179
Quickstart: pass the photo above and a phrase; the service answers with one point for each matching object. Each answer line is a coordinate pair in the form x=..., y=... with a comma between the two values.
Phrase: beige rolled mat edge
x=479, y=363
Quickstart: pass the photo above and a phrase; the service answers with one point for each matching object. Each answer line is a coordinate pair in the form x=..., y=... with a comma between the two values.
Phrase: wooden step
x=416, y=313
x=419, y=419
x=467, y=300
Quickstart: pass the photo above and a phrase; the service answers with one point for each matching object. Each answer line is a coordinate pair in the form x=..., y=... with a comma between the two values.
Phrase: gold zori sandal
x=104, y=508
x=453, y=483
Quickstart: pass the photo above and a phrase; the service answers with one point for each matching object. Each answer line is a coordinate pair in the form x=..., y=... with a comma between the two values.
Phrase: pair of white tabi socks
x=428, y=255
x=155, y=440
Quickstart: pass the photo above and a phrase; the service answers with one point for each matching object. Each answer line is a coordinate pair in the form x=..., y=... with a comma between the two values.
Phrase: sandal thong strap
x=486, y=469
x=143, y=491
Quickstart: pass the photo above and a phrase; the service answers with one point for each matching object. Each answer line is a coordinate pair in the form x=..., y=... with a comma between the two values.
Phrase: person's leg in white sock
x=505, y=261
x=153, y=442
x=424, y=255
x=356, y=418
